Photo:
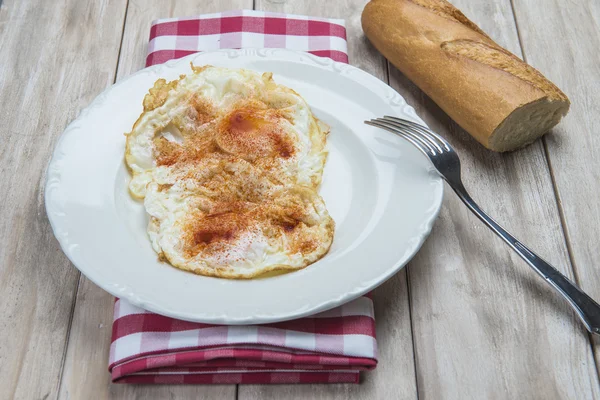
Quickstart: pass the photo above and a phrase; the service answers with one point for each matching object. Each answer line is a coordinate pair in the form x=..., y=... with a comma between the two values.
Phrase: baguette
x=499, y=99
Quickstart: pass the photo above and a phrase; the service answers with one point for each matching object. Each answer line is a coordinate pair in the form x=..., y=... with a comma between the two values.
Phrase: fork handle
x=587, y=309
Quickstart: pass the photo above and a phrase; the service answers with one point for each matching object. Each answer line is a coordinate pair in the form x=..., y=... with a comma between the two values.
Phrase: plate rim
x=393, y=98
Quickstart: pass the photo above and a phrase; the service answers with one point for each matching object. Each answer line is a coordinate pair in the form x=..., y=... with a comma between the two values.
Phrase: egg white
x=224, y=88
x=249, y=255
x=173, y=192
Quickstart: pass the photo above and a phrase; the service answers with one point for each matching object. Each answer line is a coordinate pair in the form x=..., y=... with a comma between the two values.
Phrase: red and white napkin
x=330, y=347
x=178, y=37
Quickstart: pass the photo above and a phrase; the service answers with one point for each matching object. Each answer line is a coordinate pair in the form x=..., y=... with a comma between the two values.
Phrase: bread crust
x=474, y=80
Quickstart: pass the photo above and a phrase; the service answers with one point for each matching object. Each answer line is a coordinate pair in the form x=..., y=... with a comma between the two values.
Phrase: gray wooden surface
x=466, y=319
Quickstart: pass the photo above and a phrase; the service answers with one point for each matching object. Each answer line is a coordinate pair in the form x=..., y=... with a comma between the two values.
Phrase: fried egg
x=228, y=163
x=234, y=111
x=239, y=239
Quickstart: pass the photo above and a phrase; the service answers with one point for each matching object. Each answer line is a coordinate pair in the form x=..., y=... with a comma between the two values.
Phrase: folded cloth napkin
x=329, y=347
x=178, y=37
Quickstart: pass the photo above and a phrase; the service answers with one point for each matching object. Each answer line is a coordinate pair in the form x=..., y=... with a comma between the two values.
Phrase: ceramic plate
x=381, y=192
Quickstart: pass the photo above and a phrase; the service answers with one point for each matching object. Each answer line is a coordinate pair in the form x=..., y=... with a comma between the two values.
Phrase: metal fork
x=446, y=161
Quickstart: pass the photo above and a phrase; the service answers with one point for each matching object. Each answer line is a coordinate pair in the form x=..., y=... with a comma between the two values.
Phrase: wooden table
x=466, y=319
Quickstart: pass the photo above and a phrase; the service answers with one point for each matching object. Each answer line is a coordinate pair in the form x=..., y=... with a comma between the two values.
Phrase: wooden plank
x=485, y=326
x=49, y=70
x=571, y=32
x=85, y=375
x=394, y=378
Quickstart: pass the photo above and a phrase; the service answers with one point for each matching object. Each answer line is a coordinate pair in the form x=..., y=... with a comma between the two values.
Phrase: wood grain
x=85, y=374
x=394, y=377
x=485, y=326
x=572, y=32
x=54, y=58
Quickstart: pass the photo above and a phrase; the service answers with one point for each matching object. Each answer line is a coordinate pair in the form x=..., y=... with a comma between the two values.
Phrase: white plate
x=381, y=192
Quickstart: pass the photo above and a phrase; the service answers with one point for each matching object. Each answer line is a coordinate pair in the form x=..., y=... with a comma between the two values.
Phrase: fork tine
x=430, y=132
x=432, y=146
x=416, y=143
x=424, y=143
x=423, y=129
x=401, y=124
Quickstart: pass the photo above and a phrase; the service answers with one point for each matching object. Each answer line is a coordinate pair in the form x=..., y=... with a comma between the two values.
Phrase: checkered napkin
x=178, y=37
x=329, y=347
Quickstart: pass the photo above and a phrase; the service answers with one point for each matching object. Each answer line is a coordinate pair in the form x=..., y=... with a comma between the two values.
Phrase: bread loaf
x=499, y=99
